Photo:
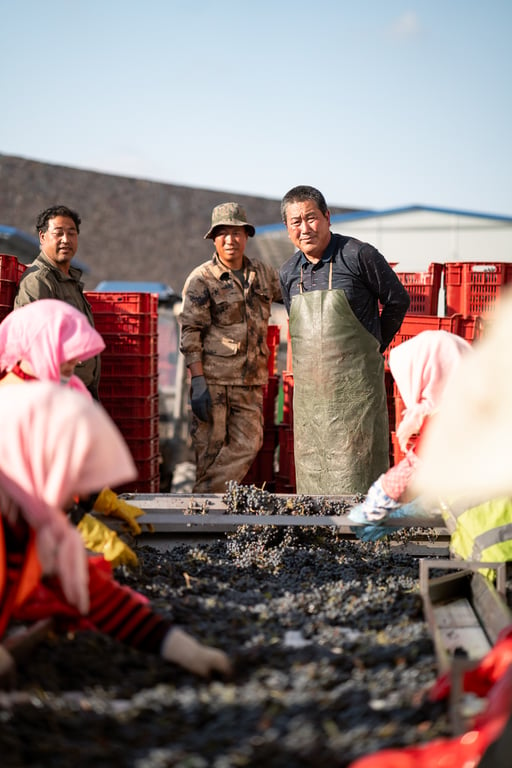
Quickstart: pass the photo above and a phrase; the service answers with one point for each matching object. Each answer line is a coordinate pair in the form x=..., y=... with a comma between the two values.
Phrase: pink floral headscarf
x=421, y=368
x=55, y=444
x=46, y=333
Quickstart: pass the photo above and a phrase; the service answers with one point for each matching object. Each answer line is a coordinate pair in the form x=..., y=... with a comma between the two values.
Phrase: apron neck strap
x=301, y=283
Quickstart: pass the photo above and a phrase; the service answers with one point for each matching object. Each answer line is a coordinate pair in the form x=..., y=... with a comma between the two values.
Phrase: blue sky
x=379, y=103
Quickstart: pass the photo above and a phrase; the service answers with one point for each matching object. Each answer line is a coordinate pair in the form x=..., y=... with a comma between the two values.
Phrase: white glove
x=182, y=649
x=376, y=506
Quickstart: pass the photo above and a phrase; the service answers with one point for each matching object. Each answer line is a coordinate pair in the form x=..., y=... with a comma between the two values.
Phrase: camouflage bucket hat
x=231, y=215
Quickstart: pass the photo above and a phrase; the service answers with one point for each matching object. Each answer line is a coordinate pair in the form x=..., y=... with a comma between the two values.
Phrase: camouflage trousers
x=227, y=444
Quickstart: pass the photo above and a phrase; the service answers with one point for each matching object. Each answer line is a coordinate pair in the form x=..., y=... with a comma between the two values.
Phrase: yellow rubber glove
x=100, y=538
x=108, y=503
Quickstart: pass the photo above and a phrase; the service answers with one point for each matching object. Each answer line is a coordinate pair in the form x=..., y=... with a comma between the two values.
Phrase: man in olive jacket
x=224, y=320
x=51, y=276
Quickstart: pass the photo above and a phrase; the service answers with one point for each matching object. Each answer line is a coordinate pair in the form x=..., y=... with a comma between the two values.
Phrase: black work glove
x=81, y=507
x=200, y=399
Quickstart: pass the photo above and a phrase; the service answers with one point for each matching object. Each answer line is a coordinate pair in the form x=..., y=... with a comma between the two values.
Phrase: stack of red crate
x=261, y=472
x=472, y=288
x=10, y=272
x=285, y=480
x=471, y=291
x=423, y=289
x=128, y=323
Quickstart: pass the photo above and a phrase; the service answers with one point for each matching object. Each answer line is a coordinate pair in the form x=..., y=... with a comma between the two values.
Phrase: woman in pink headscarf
x=45, y=340
x=55, y=445
x=421, y=368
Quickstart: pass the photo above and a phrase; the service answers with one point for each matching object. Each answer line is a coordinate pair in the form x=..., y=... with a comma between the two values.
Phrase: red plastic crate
x=138, y=429
x=282, y=485
x=414, y=324
x=286, y=452
x=8, y=267
x=261, y=471
x=141, y=485
x=269, y=400
x=4, y=310
x=121, y=408
x=21, y=269
x=423, y=288
x=273, y=335
x=473, y=287
x=112, y=322
x=398, y=454
x=128, y=386
x=471, y=328
x=289, y=356
x=287, y=397
x=147, y=467
x=399, y=405
x=115, y=365
x=390, y=397
x=123, y=303
x=145, y=449
x=8, y=290
x=138, y=344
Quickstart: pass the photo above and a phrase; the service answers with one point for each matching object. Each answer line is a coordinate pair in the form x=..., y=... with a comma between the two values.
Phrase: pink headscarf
x=46, y=333
x=421, y=367
x=56, y=444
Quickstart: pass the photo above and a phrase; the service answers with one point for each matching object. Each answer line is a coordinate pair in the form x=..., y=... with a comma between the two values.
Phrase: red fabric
x=115, y=609
x=480, y=679
x=491, y=677
x=47, y=599
x=396, y=480
x=20, y=373
x=20, y=570
x=464, y=751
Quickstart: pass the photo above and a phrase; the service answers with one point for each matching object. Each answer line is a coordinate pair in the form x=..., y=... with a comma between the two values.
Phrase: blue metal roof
x=8, y=232
x=371, y=213
x=353, y=216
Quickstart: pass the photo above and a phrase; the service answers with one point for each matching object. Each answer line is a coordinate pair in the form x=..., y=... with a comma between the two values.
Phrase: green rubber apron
x=340, y=417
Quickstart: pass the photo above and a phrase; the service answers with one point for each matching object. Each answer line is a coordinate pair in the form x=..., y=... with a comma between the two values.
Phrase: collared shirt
x=362, y=273
x=224, y=323
x=43, y=280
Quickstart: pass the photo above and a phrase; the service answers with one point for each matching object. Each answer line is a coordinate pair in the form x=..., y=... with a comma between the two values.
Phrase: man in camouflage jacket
x=224, y=319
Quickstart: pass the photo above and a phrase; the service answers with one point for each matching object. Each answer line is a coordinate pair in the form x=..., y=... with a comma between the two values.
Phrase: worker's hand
x=376, y=531
x=108, y=503
x=200, y=399
x=98, y=537
x=180, y=648
x=376, y=506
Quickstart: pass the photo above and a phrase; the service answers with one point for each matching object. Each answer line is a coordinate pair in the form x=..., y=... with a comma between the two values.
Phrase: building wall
x=414, y=239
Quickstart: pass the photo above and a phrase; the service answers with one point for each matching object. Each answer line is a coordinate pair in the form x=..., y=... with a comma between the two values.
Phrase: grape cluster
x=248, y=499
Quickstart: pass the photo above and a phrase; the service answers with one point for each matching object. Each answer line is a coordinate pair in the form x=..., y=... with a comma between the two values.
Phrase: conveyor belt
x=171, y=518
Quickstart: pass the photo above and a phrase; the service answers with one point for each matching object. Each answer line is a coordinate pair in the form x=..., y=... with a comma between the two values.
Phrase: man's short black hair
x=57, y=210
x=301, y=194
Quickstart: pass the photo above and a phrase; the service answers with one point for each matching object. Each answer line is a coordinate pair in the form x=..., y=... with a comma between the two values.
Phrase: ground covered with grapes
x=332, y=659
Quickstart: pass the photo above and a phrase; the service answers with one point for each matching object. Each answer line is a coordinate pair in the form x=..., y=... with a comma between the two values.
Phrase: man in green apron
x=332, y=287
